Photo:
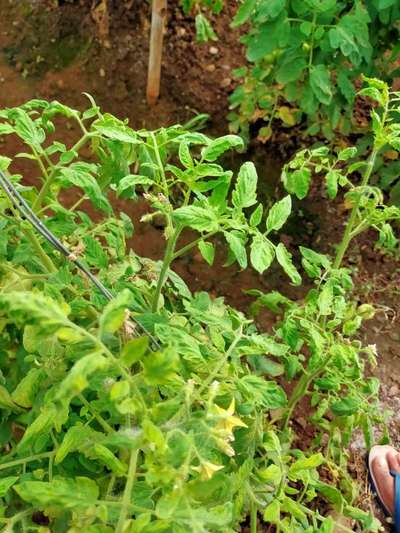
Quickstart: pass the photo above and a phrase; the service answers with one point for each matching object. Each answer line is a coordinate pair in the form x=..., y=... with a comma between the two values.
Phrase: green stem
x=43, y=192
x=192, y=244
x=25, y=460
x=168, y=258
x=47, y=262
x=302, y=387
x=253, y=518
x=107, y=428
x=78, y=203
x=348, y=233
x=223, y=361
x=126, y=498
x=310, y=59
x=22, y=275
x=160, y=166
x=36, y=206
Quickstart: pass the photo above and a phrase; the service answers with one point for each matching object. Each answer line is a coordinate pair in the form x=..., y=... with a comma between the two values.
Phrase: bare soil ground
x=60, y=52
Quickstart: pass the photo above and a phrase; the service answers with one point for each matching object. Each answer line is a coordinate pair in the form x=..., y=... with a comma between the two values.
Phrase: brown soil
x=59, y=53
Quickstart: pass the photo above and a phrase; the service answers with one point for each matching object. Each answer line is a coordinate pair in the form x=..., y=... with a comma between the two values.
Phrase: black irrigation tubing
x=26, y=212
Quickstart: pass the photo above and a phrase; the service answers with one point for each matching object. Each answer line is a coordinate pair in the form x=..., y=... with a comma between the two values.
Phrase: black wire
x=26, y=212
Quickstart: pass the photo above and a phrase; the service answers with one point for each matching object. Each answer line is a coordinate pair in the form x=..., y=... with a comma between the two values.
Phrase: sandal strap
x=396, y=517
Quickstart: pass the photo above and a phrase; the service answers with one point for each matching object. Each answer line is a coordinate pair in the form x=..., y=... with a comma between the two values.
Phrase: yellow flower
x=207, y=470
x=227, y=421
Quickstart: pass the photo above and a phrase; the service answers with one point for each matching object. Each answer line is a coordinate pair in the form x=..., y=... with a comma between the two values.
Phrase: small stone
x=226, y=67
x=210, y=68
x=394, y=390
x=102, y=72
x=181, y=32
x=60, y=84
x=213, y=50
x=225, y=83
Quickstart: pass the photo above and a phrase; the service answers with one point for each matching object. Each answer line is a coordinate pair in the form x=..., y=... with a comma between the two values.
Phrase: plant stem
x=253, y=518
x=168, y=258
x=126, y=498
x=192, y=244
x=223, y=361
x=30, y=459
x=22, y=275
x=36, y=205
x=50, y=178
x=47, y=262
x=353, y=215
x=310, y=58
x=301, y=388
x=107, y=428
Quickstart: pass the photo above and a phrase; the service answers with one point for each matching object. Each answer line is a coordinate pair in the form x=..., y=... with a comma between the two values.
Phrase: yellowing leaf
x=286, y=114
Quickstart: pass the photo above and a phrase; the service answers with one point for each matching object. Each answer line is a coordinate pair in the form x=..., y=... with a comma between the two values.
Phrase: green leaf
x=244, y=12
x=294, y=508
x=80, y=175
x=195, y=217
x=346, y=85
x=27, y=388
x=61, y=493
x=315, y=258
x=134, y=350
x=160, y=367
x=332, y=178
x=6, y=483
x=116, y=312
x=262, y=253
x=347, y=153
x=75, y=438
x=184, y=155
x=237, y=247
x=112, y=128
x=131, y=181
x=6, y=129
x=273, y=8
x=291, y=69
x=279, y=213
x=218, y=146
x=4, y=163
x=6, y=401
x=207, y=251
x=272, y=513
x=105, y=456
x=320, y=81
x=95, y=254
x=267, y=394
x=204, y=30
x=244, y=194
x=41, y=425
x=297, y=182
x=284, y=258
x=256, y=216
x=270, y=36
x=346, y=406
x=308, y=463
x=77, y=378
x=27, y=129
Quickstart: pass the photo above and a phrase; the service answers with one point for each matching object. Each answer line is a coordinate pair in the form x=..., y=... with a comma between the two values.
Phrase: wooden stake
x=158, y=18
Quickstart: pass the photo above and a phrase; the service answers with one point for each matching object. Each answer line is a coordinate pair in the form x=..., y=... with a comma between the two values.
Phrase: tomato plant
x=305, y=59
x=157, y=409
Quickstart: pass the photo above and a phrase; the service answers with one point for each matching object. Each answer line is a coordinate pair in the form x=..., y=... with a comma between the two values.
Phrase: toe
x=384, y=481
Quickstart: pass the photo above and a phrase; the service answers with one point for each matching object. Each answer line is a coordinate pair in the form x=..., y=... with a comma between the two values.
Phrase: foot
x=387, y=460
